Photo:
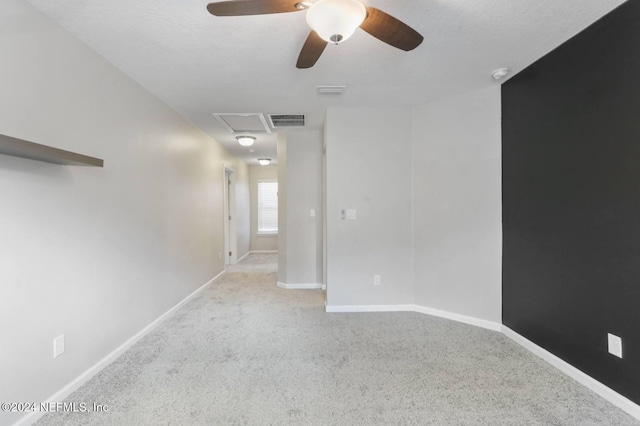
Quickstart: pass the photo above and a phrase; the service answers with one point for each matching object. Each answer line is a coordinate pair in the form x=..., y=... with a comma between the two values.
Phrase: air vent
x=330, y=90
x=279, y=121
x=243, y=123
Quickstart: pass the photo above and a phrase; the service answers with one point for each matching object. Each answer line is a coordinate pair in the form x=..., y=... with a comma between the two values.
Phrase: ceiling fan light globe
x=336, y=20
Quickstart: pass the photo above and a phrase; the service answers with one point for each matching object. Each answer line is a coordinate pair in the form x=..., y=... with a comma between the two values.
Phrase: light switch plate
x=312, y=212
x=351, y=214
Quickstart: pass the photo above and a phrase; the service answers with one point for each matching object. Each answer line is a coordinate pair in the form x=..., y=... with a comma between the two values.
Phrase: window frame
x=259, y=231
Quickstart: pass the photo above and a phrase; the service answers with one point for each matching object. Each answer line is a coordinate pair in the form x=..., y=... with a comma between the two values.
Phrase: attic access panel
x=240, y=123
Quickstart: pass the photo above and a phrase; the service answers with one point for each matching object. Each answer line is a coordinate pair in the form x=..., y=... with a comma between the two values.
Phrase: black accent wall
x=571, y=200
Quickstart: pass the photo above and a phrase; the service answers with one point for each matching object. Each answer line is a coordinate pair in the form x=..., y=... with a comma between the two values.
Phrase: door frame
x=229, y=215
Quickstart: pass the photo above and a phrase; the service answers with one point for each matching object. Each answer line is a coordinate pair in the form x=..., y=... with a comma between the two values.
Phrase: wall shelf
x=34, y=151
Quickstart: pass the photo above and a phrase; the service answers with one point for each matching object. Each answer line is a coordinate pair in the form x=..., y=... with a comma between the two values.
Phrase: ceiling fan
x=331, y=21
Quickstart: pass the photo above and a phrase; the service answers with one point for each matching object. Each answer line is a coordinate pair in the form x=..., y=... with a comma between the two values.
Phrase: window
x=267, y=207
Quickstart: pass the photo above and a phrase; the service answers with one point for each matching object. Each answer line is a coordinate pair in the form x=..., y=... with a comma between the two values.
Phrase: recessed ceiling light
x=264, y=161
x=500, y=73
x=246, y=140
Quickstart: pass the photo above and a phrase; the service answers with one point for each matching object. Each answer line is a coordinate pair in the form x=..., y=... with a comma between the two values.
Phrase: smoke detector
x=500, y=73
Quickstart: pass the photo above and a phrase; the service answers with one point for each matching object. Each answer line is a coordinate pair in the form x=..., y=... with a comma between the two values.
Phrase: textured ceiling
x=200, y=64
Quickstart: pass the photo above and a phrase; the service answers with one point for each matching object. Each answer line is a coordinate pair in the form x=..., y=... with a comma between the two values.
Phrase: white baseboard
x=490, y=325
x=311, y=286
x=59, y=396
x=369, y=308
x=420, y=309
x=262, y=251
x=604, y=391
x=245, y=255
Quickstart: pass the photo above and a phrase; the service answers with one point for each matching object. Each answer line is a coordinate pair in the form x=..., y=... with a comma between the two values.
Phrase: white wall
x=304, y=192
x=95, y=254
x=368, y=162
x=457, y=204
x=426, y=185
x=243, y=207
x=260, y=242
x=282, y=206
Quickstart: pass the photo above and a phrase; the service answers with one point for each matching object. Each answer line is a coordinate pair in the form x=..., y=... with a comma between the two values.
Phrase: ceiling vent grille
x=279, y=121
x=330, y=90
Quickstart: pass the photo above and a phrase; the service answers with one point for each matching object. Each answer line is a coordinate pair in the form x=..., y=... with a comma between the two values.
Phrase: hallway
x=256, y=262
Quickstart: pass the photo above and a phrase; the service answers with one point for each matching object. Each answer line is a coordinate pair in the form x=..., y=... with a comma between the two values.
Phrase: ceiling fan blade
x=251, y=7
x=311, y=51
x=390, y=30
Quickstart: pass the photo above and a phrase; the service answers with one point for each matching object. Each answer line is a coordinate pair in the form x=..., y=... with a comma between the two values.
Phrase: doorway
x=230, y=232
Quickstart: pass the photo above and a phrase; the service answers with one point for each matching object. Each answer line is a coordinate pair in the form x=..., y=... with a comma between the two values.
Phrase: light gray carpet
x=247, y=352
x=259, y=262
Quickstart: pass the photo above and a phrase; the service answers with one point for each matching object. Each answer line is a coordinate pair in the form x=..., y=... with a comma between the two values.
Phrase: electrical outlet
x=58, y=346
x=312, y=212
x=377, y=280
x=349, y=214
x=219, y=255
x=615, y=345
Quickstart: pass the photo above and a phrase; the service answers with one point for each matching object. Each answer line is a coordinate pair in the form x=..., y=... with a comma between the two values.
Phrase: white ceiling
x=200, y=64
